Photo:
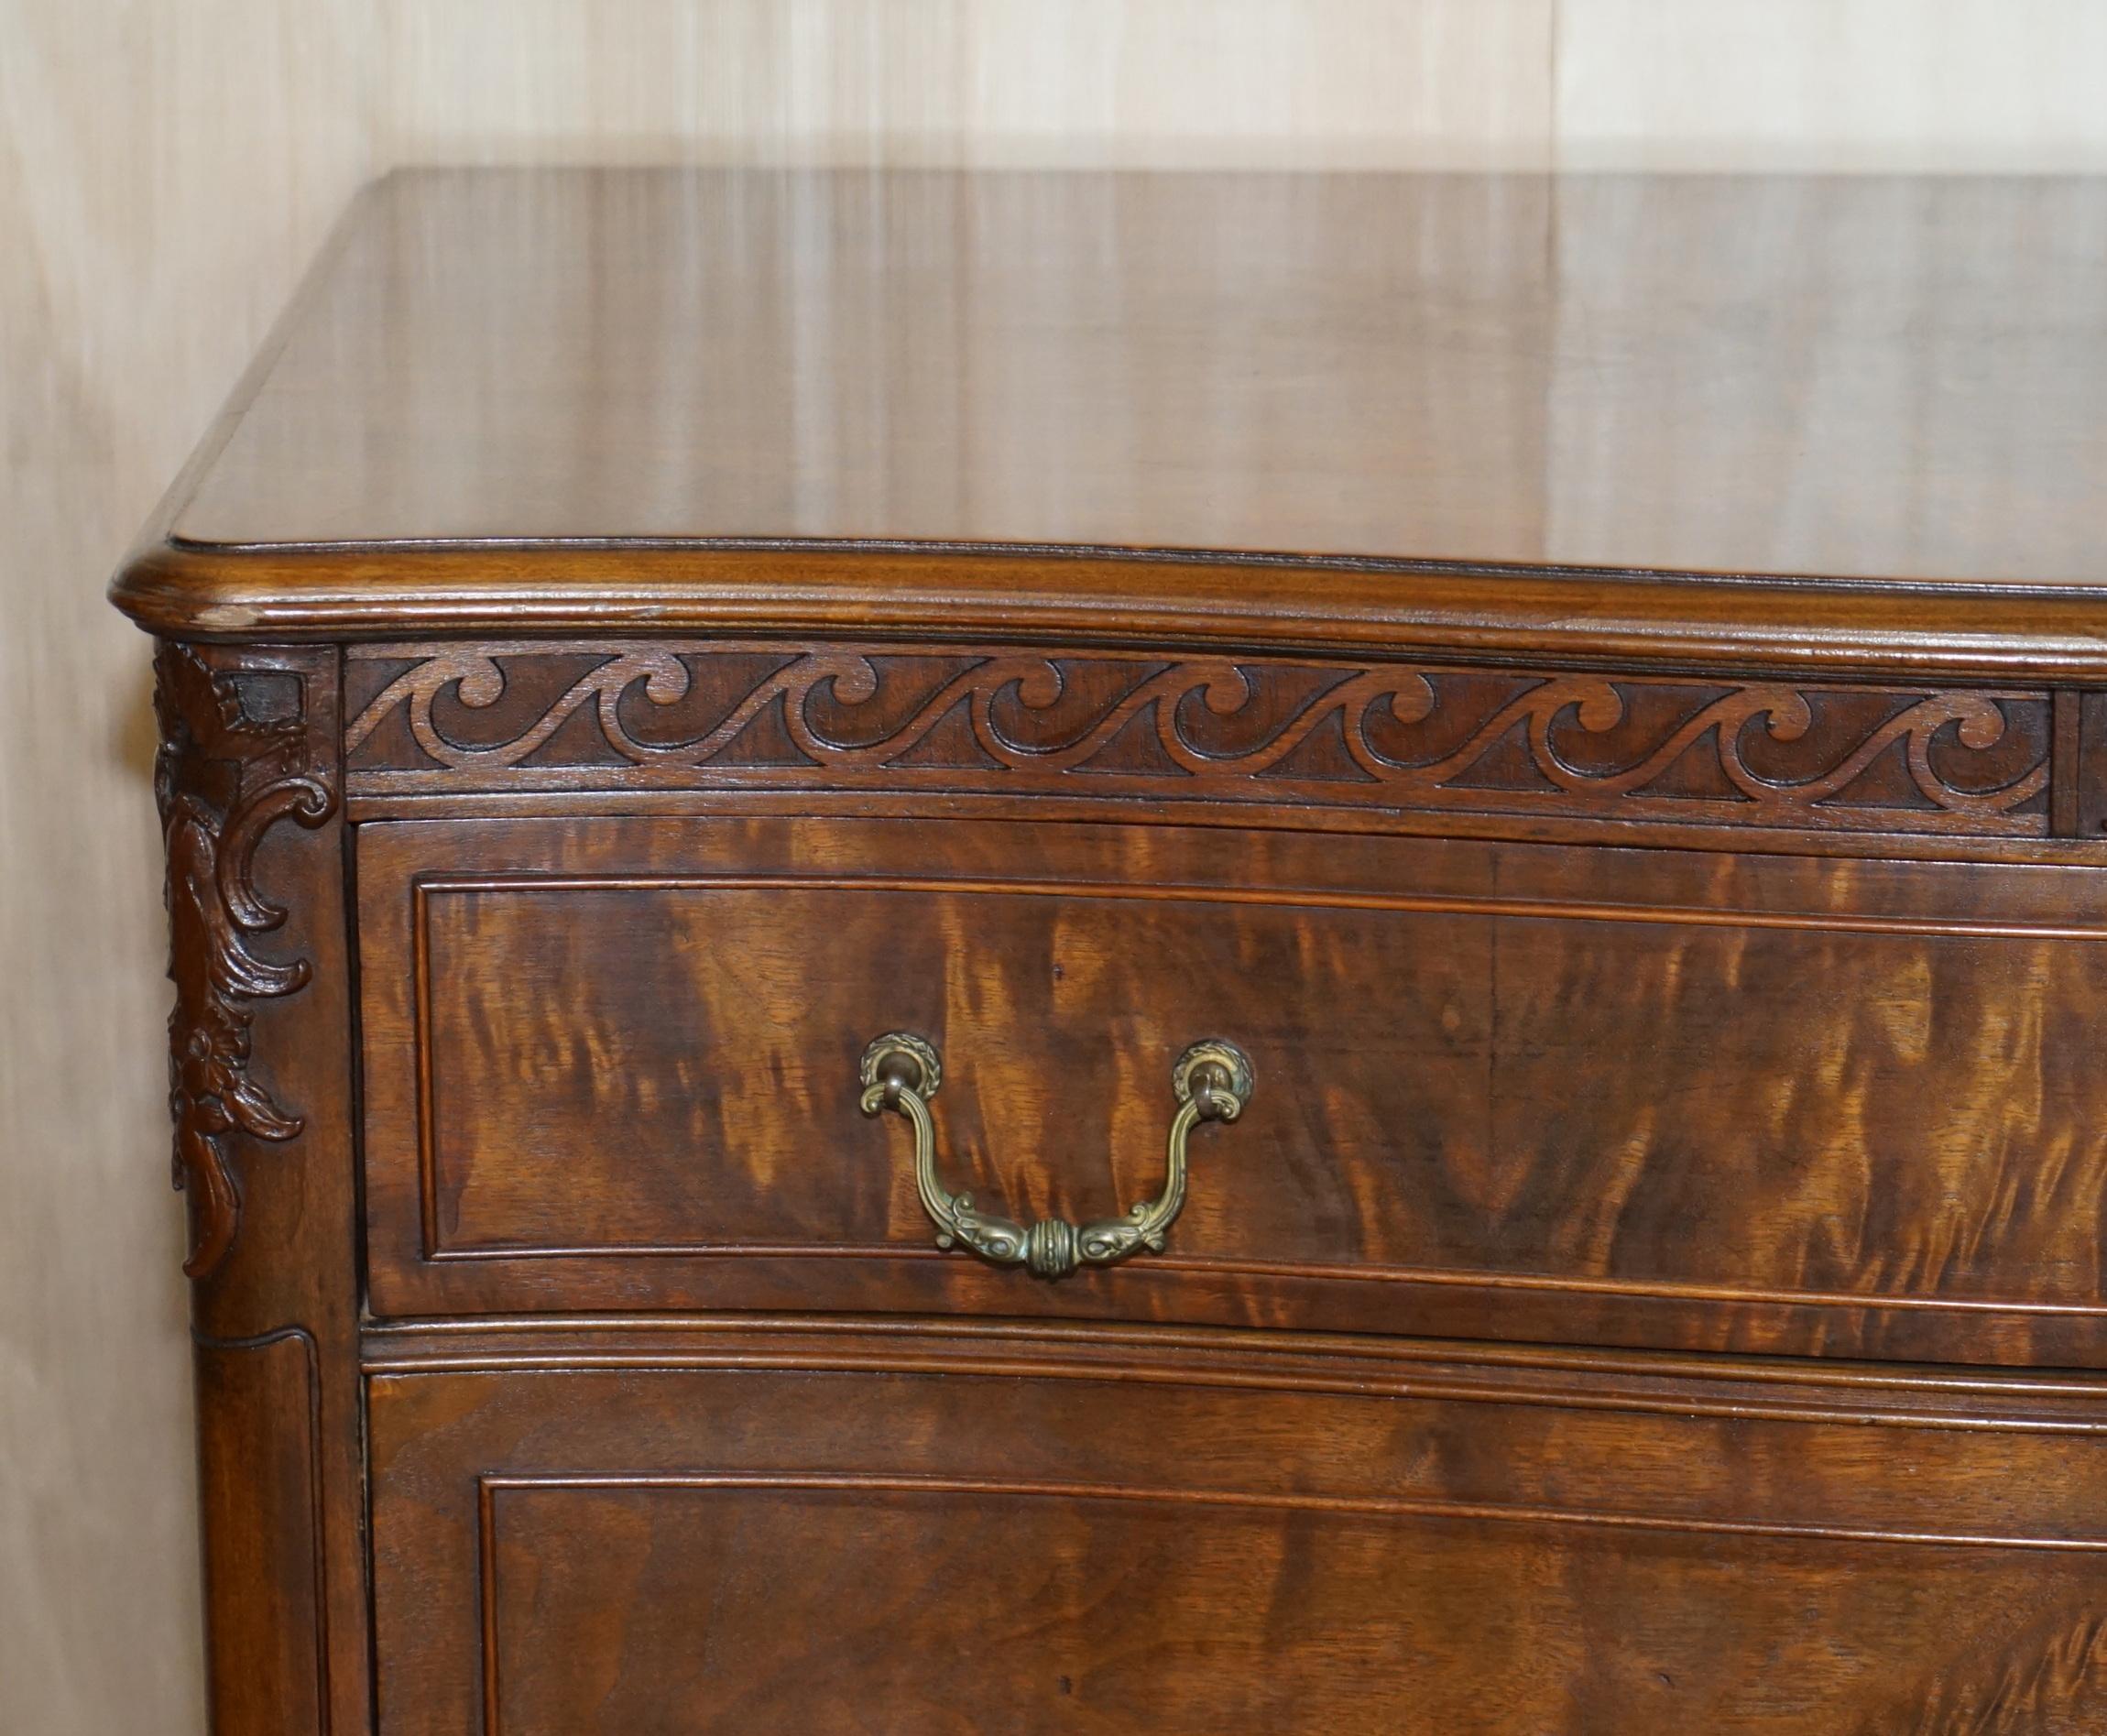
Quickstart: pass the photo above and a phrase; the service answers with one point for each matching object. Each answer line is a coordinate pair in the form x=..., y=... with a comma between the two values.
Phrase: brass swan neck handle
x=900, y=1072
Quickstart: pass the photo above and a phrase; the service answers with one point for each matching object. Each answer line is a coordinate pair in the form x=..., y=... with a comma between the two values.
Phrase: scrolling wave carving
x=234, y=758
x=1207, y=728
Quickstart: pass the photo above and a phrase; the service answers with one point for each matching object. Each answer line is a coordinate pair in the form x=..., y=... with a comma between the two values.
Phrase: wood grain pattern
x=1249, y=412
x=1409, y=1578
x=164, y=172
x=1504, y=1089
x=261, y=958
x=664, y=1550
x=1351, y=366
x=1685, y=1385
x=499, y=718
x=265, y=1541
x=239, y=740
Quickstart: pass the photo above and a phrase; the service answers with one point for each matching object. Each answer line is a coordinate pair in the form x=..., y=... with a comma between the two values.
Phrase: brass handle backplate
x=1211, y=1081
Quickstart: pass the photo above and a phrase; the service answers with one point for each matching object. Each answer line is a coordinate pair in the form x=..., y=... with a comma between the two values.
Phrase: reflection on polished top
x=1400, y=380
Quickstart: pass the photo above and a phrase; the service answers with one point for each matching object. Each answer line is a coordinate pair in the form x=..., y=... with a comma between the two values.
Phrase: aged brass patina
x=900, y=1070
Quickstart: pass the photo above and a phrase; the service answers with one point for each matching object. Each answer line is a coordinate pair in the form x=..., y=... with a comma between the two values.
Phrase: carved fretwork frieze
x=238, y=753
x=1103, y=723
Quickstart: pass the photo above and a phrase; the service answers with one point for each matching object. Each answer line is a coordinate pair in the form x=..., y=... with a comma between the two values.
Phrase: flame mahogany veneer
x=1596, y=687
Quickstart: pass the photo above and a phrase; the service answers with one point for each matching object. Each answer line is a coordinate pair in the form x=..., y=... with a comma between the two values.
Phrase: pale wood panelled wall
x=167, y=166
x=1926, y=86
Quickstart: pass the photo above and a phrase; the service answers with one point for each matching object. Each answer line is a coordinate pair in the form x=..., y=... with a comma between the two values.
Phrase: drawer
x=758, y=1532
x=1534, y=1092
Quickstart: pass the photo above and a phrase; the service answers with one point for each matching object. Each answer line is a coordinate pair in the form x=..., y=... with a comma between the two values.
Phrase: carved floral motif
x=234, y=760
x=1213, y=729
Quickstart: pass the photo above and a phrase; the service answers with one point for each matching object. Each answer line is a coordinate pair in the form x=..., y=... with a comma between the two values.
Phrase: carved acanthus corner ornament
x=236, y=756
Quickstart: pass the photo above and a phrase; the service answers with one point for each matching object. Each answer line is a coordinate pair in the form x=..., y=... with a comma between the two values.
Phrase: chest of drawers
x=1129, y=953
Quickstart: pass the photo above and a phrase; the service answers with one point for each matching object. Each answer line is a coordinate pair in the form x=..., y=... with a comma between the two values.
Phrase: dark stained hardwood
x=442, y=719
x=1479, y=414
x=1596, y=686
x=1036, y=1547
x=1446, y=367
x=245, y=742
x=266, y=1544
x=260, y=1088
x=1502, y=1090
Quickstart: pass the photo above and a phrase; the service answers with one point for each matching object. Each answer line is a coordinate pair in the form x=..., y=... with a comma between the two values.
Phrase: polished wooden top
x=1861, y=419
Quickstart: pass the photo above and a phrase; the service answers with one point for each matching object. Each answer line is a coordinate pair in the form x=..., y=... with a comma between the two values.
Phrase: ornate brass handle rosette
x=1212, y=1082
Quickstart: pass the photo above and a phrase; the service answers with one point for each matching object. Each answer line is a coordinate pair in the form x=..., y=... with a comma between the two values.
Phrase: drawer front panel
x=648, y=1550
x=1501, y=1090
